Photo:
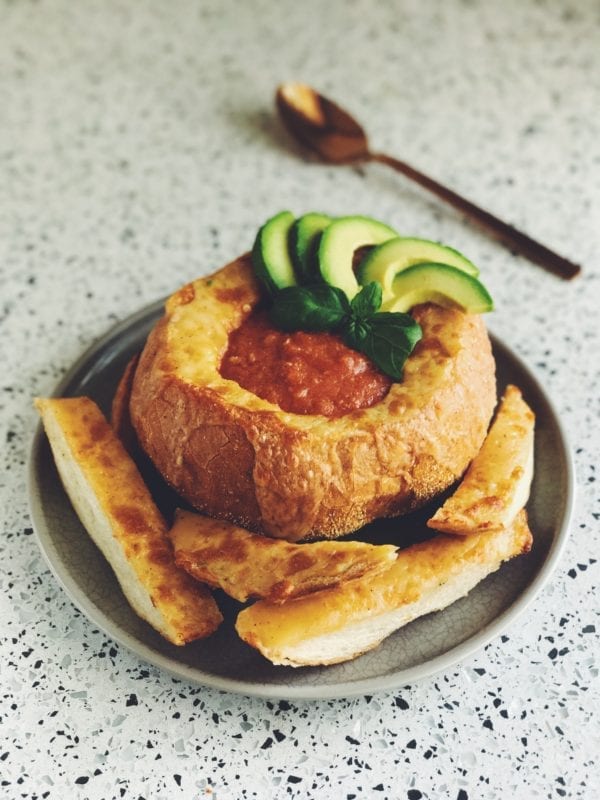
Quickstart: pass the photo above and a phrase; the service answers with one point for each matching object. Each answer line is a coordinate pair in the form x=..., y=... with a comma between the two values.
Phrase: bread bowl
x=239, y=457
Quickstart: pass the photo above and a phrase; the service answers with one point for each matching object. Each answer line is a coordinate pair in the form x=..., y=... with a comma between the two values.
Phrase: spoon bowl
x=321, y=125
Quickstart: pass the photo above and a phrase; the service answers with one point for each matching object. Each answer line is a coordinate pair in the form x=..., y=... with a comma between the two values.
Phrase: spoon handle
x=511, y=237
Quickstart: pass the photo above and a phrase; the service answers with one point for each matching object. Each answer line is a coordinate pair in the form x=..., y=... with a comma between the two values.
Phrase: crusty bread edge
x=249, y=565
x=498, y=481
x=361, y=632
x=100, y=527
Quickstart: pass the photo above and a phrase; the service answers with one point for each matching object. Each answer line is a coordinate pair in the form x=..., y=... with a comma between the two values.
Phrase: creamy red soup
x=305, y=373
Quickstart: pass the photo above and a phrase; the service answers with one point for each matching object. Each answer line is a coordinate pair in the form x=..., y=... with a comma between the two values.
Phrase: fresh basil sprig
x=309, y=308
x=367, y=302
x=387, y=338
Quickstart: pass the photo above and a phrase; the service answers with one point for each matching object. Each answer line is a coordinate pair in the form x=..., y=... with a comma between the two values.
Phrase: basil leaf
x=392, y=338
x=355, y=332
x=400, y=319
x=309, y=308
x=387, y=338
x=367, y=301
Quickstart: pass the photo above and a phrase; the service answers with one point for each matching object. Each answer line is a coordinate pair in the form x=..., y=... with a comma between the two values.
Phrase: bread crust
x=248, y=565
x=341, y=623
x=118, y=512
x=238, y=457
x=496, y=485
x=120, y=418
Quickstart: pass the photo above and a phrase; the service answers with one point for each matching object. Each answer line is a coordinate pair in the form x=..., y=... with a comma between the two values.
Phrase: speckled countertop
x=138, y=149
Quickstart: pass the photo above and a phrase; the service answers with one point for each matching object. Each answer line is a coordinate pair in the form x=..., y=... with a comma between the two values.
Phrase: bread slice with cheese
x=339, y=624
x=497, y=482
x=246, y=564
x=117, y=510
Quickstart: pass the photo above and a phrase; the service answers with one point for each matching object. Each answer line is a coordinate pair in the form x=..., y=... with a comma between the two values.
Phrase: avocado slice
x=270, y=253
x=305, y=235
x=441, y=284
x=339, y=241
x=384, y=262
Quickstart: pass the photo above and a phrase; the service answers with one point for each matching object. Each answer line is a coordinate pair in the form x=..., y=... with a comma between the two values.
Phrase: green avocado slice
x=337, y=246
x=441, y=284
x=270, y=253
x=305, y=235
x=384, y=262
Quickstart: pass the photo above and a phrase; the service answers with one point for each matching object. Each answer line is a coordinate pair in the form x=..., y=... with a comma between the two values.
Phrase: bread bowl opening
x=303, y=373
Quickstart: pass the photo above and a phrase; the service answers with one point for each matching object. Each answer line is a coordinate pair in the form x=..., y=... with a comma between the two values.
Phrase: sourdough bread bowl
x=236, y=456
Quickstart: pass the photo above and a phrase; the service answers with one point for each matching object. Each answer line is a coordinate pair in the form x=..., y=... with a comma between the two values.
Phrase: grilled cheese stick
x=339, y=624
x=119, y=514
x=246, y=564
x=496, y=484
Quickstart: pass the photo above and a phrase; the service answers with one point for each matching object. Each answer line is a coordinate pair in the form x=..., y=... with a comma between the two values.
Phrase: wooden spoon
x=337, y=137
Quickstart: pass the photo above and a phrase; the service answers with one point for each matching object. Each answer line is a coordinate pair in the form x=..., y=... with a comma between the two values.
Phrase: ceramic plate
x=427, y=645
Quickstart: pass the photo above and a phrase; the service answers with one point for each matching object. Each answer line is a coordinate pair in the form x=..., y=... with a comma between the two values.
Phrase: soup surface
x=304, y=373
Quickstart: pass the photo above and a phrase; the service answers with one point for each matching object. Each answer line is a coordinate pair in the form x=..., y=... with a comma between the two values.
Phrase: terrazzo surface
x=139, y=149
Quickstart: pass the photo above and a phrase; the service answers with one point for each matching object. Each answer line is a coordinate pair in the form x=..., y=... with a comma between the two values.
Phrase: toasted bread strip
x=119, y=514
x=246, y=564
x=120, y=417
x=339, y=624
x=496, y=484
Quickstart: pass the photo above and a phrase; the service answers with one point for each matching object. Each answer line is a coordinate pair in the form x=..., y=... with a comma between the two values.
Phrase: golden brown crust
x=497, y=482
x=341, y=623
x=248, y=565
x=241, y=458
x=118, y=512
x=120, y=418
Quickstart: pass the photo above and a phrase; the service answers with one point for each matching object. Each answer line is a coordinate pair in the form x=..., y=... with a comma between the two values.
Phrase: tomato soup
x=304, y=373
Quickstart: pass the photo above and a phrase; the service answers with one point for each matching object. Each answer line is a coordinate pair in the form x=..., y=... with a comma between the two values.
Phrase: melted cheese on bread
x=246, y=565
x=118, y=512
x=339, y=624
x=236, y=456
x=497, y=482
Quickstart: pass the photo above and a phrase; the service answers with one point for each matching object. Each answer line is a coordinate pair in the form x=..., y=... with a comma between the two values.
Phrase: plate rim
x=363, y=686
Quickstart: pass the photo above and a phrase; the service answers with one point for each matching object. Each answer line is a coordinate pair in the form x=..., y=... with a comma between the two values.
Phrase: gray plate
x=425, y=646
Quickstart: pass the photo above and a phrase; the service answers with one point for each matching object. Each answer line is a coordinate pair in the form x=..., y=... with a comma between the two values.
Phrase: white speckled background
x=138, y=149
